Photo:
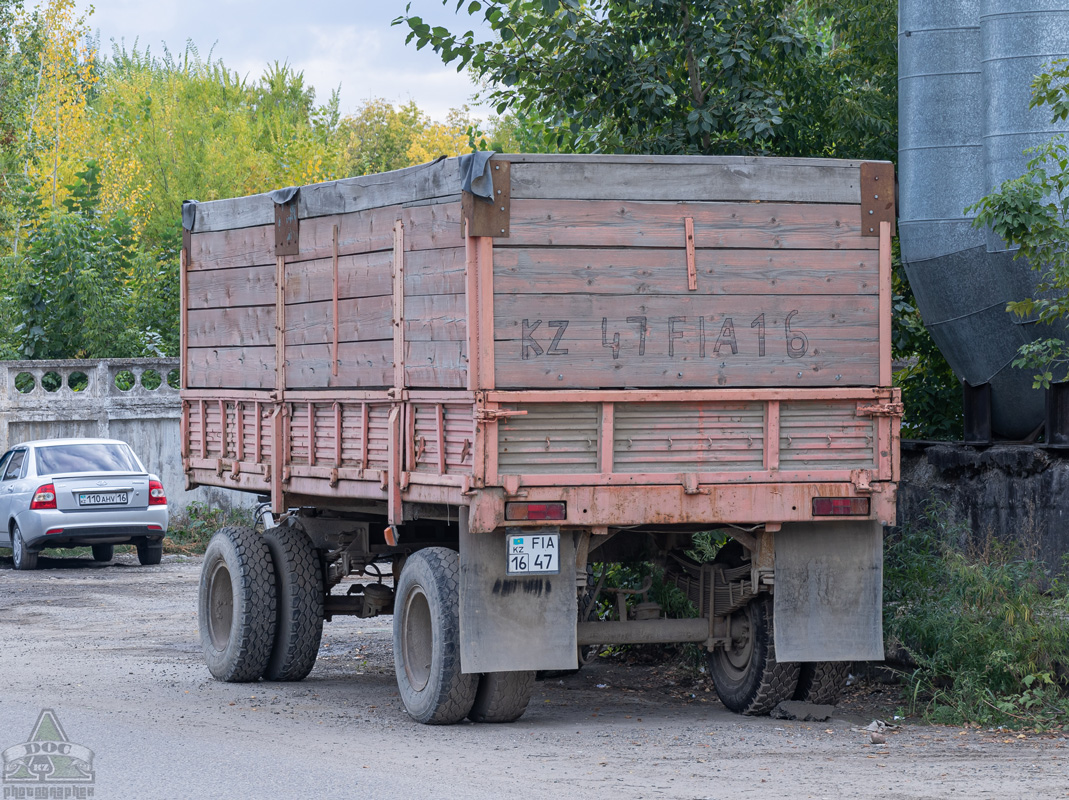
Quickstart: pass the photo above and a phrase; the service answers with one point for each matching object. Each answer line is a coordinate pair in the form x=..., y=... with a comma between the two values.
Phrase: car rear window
x=61, y=458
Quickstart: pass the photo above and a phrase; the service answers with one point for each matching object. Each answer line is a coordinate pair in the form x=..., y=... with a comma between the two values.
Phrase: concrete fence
x=135, y=400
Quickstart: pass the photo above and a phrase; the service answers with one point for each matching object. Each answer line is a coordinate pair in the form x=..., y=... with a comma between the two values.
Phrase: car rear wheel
x=149, y=553
x=103, y=552
x=236, y=605
x=22, y=557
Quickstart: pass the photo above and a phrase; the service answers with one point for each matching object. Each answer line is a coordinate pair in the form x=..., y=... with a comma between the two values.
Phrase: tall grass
x=986, y=627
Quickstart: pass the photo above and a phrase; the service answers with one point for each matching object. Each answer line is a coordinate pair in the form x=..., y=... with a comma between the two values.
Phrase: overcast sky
x=350, y=44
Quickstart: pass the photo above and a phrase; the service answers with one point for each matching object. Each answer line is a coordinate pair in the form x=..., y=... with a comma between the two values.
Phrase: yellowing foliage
x=60, y=127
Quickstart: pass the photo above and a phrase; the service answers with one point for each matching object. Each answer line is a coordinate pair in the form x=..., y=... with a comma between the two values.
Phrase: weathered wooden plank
x=360, y=364
x=602, y=223
x=231, y=367
x=241, y=326
x=234, y=212
x=434, y=272
x=544, y=341
x=584, y=176
x=430, y=318
x=363, y=275
x=426, y=228
x=242, y=247
x=242, y=286
x=361, y=319
x=689, y=179
x=664, y=271
x=438, y=364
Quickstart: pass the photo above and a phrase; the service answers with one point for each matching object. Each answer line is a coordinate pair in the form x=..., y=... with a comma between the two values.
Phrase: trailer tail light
x=156, y=495
x=535, y=512
x=44, y=498
x=840, y=506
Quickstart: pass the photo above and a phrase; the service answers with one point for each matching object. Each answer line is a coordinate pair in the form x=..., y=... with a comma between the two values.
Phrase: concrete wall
x=1007, y=493
x=37, y=402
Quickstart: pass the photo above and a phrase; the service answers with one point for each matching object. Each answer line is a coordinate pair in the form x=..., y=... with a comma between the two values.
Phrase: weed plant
x=987, y=629
x=190, y=531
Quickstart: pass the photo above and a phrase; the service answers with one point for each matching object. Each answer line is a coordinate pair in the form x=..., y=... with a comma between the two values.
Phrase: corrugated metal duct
x=964, y=74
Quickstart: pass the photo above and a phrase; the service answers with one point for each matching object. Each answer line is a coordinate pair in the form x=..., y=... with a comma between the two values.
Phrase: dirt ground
x=113, y=650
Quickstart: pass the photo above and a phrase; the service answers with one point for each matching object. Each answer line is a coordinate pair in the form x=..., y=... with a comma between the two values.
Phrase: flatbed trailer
x=480, y=376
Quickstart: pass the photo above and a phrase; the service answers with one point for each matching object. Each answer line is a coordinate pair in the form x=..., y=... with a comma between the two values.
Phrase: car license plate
x=103, y=499
x=533, y=554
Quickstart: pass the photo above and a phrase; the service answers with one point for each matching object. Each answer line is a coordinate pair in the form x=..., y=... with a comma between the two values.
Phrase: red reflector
x=53, y=530
x=155, y=527
x=535, y=511
x=840, y=506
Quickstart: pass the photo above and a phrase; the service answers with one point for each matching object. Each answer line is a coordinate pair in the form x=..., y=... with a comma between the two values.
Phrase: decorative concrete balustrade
x=133, y=399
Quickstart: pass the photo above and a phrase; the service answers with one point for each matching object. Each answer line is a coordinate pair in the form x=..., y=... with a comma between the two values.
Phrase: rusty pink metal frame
x=770, y=495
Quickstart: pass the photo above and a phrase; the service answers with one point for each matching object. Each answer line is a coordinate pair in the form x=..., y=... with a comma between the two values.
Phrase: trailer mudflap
x=829, y=591
x=510, y=623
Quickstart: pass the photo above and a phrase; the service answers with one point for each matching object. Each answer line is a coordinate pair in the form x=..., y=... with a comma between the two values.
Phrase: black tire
x=24, y=558
x=426, y=639
x=298, y=602
x=150, y=552
x=502, y=696
x=236, y=605
x=821, y=681
x=103, y=552
x=747, y=677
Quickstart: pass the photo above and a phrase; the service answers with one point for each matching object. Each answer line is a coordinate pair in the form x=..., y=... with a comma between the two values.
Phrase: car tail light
x=840, y=506
x=156, y=495
x=53, y=530
x=44, y=498
x=155, y=527
x=535, y=511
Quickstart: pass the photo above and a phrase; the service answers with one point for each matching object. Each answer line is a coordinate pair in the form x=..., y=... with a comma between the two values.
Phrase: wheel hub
x=220, y=606
x=417, y=640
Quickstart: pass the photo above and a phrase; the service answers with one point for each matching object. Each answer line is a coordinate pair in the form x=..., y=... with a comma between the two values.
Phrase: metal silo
x=965, y=69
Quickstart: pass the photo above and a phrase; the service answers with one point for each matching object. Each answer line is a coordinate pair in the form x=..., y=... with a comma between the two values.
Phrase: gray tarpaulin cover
x=189, y=214
x=283, y=196
x=475, y=171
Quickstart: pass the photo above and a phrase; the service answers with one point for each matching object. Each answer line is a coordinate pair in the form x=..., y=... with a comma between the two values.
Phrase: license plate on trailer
x=103, y=499
x=533, y=554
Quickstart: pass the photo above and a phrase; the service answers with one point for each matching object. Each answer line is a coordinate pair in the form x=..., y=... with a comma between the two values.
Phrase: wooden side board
x=650, y=271
x=609, y=341
x=635, y=224
x=586, y=177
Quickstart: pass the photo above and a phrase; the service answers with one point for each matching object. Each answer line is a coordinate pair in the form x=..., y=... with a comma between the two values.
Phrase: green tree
x=1031, y=213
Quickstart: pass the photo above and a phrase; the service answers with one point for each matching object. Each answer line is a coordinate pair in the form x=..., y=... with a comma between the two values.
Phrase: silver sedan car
x=75, y=492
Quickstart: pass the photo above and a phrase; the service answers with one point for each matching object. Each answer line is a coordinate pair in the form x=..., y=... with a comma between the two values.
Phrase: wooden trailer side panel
x=230, y=309
x=594, y=294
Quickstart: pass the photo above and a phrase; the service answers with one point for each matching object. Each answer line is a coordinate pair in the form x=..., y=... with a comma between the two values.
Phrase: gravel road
x=113, y=651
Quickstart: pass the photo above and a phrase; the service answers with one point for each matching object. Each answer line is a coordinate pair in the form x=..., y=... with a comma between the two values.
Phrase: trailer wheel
x=236, y=606
x=502, y=696
x=821, y=681
x=299, y=604
x=747, y=677
x=426, y=639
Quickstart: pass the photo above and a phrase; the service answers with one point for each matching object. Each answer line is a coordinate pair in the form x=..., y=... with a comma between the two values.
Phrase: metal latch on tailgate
x=483, y=415
x=881, y=410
